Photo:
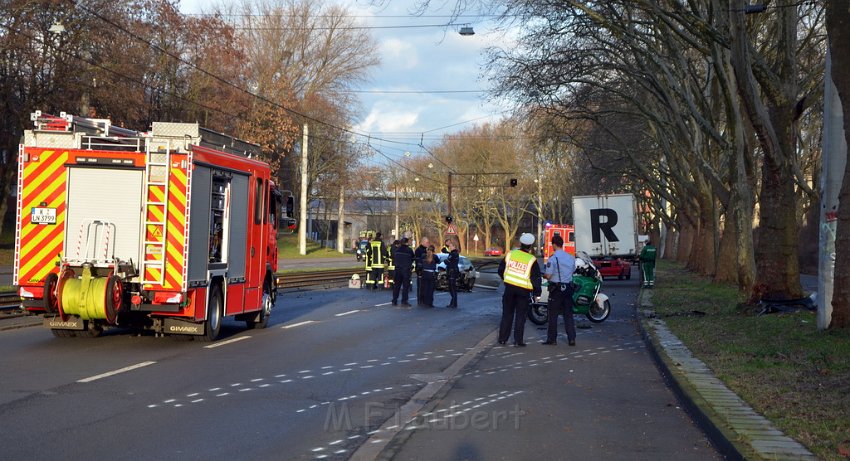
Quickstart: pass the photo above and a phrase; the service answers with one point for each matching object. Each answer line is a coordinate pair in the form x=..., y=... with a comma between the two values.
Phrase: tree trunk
x=727, y=264
x=777, y=266
x=736, y=262
x=838, y=29
x=671, y=244
x=687, y=232
x=777, y=263
x=7, y=180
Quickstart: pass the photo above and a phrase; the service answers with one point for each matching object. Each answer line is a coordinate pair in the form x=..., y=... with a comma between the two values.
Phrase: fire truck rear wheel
x=50, y=293
x=212, y=326
x=114, y=296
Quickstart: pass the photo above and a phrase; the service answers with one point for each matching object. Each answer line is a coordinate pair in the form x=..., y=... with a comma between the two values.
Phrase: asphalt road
x=338, y=371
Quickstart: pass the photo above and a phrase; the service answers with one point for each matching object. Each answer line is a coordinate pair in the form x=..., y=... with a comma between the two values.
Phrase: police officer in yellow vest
x=521, y=274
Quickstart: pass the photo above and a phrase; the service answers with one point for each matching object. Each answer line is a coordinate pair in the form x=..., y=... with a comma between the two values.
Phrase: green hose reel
x=91, y=297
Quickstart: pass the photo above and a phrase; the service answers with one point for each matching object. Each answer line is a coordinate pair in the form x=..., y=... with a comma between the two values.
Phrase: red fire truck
x=566, y=231
x=167, y=230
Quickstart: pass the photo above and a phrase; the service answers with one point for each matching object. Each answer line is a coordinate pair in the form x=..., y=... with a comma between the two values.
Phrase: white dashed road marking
x=115, y=372
x=226, y=342
x=306, y=322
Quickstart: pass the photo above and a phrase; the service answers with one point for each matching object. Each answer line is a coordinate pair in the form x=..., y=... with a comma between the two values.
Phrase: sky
x=441, y=69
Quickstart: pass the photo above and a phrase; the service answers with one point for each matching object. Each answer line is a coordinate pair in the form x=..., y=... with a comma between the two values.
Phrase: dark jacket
x=452, y=268
x=426, y=266
x=403, y=258
x=419, y=256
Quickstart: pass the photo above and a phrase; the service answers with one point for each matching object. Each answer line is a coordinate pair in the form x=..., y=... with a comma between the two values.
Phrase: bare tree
x=304, y=56
x=661, y=86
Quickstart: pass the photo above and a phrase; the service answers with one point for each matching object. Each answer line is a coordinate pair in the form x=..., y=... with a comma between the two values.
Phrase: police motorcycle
x=587, y=299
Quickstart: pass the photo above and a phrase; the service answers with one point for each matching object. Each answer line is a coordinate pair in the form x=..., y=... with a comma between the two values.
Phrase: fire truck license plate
x=43, y=216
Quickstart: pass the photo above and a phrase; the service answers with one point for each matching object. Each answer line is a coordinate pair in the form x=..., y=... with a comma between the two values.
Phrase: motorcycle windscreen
x=104, y=195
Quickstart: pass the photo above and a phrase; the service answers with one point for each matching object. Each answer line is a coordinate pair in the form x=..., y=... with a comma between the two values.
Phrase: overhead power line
x=224, y=81
x=221, y=79
x=362, y=16
x=411, y=26
x=412, y=91
x=136, y=81
x=404, y=167
x=143, y=84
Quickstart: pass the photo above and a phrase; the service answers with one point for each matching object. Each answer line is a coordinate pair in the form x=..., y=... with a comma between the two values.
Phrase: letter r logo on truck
x=606, y=227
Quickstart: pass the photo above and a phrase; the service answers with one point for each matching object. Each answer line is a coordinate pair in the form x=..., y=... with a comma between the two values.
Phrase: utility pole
x=397, y=232
x=302, y=226
x=834, y=160
x=540, y=243
x=450, y=194
x=340, y=227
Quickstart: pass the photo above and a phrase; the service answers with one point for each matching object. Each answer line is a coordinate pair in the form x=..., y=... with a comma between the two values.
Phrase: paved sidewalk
x=729, y=420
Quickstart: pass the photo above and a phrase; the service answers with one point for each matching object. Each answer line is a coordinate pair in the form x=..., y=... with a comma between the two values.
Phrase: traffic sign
x=452, y=230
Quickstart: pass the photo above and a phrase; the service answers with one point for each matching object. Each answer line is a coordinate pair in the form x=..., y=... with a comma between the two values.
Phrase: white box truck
x=606, y=225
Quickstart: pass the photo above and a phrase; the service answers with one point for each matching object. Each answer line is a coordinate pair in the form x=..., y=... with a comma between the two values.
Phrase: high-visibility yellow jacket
x=518, y=265
x=376, y=254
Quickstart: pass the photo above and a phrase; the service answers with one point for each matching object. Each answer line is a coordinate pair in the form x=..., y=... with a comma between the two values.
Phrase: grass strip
x=789, y=371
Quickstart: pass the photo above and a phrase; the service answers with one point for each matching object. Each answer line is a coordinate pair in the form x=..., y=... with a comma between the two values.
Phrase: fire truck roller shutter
x=238, y=241
x=113, y=195
x=199, y=224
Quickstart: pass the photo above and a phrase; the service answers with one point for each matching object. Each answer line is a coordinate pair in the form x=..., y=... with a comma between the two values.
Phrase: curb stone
x=737, y=430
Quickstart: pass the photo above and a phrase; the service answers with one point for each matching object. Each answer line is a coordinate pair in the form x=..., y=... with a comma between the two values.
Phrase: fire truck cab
x=168, y=230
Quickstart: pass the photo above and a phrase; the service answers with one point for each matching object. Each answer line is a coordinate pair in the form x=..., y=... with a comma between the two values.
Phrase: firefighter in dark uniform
x=403, y=261
x=521, y=275
x=368, y=258
x=391, y=262
x=376, y=257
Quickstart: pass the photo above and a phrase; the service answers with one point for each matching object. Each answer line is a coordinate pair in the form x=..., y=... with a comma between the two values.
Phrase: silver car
x=466, y=279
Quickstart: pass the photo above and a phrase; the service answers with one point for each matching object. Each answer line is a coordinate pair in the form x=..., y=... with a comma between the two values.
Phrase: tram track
x=333, y=277
x=285, y=280
x=9, y=303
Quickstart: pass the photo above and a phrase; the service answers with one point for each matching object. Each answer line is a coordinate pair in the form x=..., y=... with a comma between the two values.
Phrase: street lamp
x=754, y=8
x=57, y=28
x=466, y=30
x=539, y=206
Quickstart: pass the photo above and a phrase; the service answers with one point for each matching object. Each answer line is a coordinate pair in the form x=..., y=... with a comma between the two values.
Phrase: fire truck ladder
x=156, y=215
x=95, y=243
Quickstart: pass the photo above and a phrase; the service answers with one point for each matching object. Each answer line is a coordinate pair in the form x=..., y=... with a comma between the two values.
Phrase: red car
x=620, y=268
x=493, y=251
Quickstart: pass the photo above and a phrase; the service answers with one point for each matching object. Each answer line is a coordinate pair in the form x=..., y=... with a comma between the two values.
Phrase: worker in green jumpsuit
x=647, y=264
